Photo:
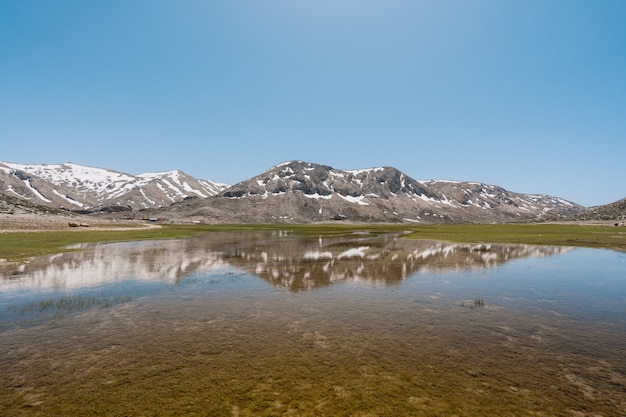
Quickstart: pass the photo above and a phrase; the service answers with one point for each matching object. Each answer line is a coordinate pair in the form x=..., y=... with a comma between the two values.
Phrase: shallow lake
x=272, y=323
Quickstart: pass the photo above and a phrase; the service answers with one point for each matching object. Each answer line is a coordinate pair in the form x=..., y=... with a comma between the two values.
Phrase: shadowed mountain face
x=302, y=192
x=282, y=259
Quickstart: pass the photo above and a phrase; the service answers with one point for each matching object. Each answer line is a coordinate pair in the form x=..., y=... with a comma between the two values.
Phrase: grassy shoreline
x=21, y=246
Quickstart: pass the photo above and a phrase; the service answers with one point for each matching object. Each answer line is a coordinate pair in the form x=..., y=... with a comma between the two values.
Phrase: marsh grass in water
x=479, y=302
x=35, y=312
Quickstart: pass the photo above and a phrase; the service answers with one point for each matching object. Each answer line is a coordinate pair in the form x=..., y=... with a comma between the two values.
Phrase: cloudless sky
x=529, y=95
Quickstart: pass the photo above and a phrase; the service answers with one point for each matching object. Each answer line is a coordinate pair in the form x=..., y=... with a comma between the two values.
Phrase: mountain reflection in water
x=282, y=259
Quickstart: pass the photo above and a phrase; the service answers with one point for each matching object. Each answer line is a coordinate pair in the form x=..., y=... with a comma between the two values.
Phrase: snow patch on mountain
x=355, y=199
x=90, y=178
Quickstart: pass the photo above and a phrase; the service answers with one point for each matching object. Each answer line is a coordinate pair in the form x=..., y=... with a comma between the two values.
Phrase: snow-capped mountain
x=300, y=191
x=81, y=188
x=295, y=192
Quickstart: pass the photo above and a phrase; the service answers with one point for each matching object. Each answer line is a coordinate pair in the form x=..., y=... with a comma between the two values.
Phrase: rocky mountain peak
x=323, y=181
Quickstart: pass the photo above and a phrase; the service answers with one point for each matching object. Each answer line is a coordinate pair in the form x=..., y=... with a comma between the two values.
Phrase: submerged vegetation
x=35, y=312
x=20, y=246
x=69, y=303
x=478, y=302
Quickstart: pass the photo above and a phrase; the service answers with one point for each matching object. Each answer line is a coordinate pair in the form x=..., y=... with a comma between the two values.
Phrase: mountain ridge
x=293, y=191
x=299, y=191
x=88, y=189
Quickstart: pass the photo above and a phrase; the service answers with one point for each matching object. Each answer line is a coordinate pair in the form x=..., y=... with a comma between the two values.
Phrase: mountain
x=87, y=189
x=302, y=192
x=291, y=192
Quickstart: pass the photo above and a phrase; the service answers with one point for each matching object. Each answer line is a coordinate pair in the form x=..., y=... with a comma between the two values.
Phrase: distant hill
x=302, y=192
x=613, y=211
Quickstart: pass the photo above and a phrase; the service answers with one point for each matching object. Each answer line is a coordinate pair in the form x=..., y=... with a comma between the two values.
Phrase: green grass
x=21, y=246
x=530, y=234
x=609, y=237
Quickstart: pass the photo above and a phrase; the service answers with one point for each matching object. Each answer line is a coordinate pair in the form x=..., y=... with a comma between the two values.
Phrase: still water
x=271, y=323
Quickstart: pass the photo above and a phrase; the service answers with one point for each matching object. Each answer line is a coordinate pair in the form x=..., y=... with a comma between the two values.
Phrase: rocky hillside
x=20, y=214
x=87, y=189
x=609, y=212
x=299, y=192
x=17, y=206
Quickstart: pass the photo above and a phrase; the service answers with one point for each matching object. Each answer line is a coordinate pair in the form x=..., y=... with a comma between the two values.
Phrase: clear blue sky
x=528, y=95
